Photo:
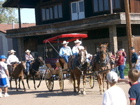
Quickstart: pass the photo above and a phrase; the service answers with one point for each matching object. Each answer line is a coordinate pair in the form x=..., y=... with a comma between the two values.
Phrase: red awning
x=68, y=37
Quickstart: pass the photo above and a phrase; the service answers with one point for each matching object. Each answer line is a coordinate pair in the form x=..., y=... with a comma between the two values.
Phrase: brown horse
x=18, y=73
x=34, y=71
x=101, y=66
x=77, y=72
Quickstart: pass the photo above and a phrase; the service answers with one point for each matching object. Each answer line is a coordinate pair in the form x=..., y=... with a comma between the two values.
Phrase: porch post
x=113, y=39
x=20, y=49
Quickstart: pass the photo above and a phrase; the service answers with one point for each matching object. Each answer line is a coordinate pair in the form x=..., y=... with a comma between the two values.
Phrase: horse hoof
x=79, y=92
x=84, y=93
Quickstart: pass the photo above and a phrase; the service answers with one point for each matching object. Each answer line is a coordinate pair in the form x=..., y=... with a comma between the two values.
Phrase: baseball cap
x=132, y=48
x=3, y=57
x=112, y=77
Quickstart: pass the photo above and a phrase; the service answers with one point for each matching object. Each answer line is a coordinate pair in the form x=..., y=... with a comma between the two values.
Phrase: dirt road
x=42, y=96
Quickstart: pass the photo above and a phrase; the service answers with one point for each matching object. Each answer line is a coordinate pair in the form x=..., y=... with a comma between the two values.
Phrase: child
x=4, y=74
x=134, y=91
x=114, y=95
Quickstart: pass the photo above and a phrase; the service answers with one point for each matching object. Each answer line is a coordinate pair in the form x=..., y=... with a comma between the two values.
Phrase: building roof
x=4, y=26
x=22, y=3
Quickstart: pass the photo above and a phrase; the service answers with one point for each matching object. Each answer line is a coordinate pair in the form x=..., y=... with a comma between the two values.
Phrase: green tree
x=7, y=15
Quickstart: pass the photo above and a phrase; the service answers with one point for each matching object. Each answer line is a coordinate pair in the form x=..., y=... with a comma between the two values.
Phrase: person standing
x=114, y=95
x=134, y=91
x=120, y=64
x=138, y=64
x=134, y=59
x=29, y=58
x=4, y=75
x=65, y=51
x=124, y=55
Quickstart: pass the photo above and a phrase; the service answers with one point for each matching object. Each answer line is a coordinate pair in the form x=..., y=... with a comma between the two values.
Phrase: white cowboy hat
x=78, y=41
x=12, y=51
x=65, y=42
x=27, y=50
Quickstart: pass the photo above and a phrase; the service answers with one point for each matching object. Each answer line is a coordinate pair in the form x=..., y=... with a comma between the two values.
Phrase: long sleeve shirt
x=65, y=51
x=120, y=60
x=75, y=50
x=29, y=57
x=12, y=58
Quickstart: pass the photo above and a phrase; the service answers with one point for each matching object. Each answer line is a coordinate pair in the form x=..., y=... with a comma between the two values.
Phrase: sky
x=27, y=15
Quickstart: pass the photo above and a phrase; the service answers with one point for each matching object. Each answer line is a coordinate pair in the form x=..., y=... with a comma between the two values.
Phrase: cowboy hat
x=78, y=41
x=27, y=50
x=65, y=42
x=12, y=51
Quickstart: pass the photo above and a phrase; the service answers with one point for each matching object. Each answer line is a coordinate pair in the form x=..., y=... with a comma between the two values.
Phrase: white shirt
x=114, y=96
x=139, y=59
x=75, y=50
x=12, y=58
x=3, y=68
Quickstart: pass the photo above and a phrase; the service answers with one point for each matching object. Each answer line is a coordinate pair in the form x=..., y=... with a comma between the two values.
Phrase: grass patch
x=126, y=69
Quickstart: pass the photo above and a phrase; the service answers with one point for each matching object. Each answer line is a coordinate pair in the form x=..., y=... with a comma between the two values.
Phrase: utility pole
x=129, y=31
x=111, y=7
x=19, y=17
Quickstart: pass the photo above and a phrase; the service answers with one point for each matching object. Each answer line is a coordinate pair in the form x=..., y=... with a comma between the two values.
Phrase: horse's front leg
x=23, y=84
x=78, y=83
x=19, y=83
x=84, y=84
x=10, y=82
x=40, y=81
x=34, y=82
x=16, y=84
x=99, y=79
x=27, y=80
x=73, y=79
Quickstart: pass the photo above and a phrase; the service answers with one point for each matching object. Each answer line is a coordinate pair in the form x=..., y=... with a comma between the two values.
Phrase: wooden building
x=103, y=21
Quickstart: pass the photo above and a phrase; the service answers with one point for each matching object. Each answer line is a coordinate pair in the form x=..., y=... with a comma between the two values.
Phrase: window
x=106, y=5
x=95, y=5
x=43, y=14
x=53, y=12
x=60, y=11
x=103, y=5
x=100, y=5
x=47, y=14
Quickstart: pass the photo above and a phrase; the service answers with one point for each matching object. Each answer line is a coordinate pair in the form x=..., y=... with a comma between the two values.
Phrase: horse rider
x=65, y=51
x=12, y=59
x=75, y=51
x=29, y=58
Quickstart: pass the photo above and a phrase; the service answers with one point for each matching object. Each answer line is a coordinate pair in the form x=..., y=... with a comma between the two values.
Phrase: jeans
x=121, y=70
x=28, y=66
x=66, y=58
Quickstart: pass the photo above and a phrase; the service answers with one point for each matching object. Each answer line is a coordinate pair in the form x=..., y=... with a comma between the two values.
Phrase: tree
x=7, y=15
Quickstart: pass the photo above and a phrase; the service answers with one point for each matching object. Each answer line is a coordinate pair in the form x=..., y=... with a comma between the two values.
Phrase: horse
x=17, y=72
x=101, y=66
x=76, y=72
x=34, y=70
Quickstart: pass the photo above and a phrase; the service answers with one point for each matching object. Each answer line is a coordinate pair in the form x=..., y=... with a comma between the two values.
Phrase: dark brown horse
x=34, y=70
x=78, y=70
x=17, y=73
x=101, y=66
